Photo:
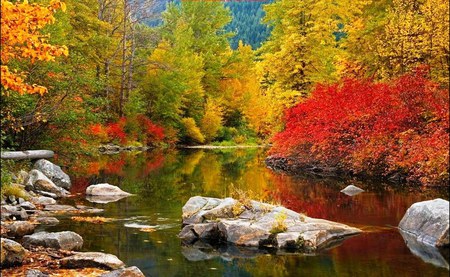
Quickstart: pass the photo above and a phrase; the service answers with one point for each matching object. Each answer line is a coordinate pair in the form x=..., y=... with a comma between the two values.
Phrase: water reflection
x=163, y=181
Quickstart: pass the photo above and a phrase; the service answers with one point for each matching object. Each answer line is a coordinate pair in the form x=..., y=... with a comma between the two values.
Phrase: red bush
x=154, y=132
x=373, y=127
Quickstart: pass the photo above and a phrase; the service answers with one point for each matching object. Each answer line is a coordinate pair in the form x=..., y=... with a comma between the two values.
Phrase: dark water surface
x=163, y=181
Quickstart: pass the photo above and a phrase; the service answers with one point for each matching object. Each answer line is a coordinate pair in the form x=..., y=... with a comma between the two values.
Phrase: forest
x=359, y=85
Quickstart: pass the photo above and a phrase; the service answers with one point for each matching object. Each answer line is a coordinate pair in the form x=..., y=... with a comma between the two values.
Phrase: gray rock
x=59, y=208
x=261, y=225
x=20, y=200
x=12, y=253
x=47, y=220
x=27, y=206
x=53, y=172
x=13, y=212
x=351, y=190
x=18, y=229
x=87, y=209
x=105, y=190
x=92, y=259
x=35, y=273
x=37, y=181
x=47, y=194
x=131, y=271
x=428, y=221
x=42, y=200
x=66, y=240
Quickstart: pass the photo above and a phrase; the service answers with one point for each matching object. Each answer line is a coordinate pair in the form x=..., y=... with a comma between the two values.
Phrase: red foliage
x=115, y=167
x=116, y=131
x=154, y=132
x=375, y=128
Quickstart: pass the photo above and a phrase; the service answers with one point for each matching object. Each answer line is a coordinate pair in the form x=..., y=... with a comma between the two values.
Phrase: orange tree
x=21, y=39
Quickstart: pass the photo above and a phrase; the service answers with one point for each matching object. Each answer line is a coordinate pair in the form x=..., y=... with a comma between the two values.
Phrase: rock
x=428, y=221
x=351, y=190
x=92, y=259
x=105, y=190
x=37, y=181
x=20, y=200
x=42, y=200
x=257, y=225
x=18, y=229
x=27, y=206
x=35, y=273
x=131, y=271
x=66, y=240
x=54, y=173
x=47, y=194
x=47, y=220
x=13, y=212
x=11, y=199
x=59, y=208
x=87, y=209
x=12, y=253
x=104, y=199
x=23, y=175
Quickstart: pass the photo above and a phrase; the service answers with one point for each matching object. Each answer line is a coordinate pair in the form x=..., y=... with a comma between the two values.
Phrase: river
x=143, y=228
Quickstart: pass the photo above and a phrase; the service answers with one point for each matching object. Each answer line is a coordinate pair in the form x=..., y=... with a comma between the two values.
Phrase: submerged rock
x=92, y=259
x=428, y=222
x=47, y=220
x=105, y=190
x=54, y=173
x=131, y=271
x=257, y=224
x=66, y=240
x=42, y=200
x=12, y=253
x=351, y=190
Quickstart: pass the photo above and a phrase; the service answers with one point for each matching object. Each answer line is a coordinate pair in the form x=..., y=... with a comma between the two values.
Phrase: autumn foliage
x=373, y=128
x=133, y=129
x=21, y=40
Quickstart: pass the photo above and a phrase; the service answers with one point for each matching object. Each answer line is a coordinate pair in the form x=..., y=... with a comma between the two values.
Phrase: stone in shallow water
x=92, y=259
x=351, y=190
x=35, y=273
x=104, y=199
x=217, y=223
x=65, y=240
x=428, y=221
x=47, y=220
x=42, y=200
x=19, y=228
x=105, y=190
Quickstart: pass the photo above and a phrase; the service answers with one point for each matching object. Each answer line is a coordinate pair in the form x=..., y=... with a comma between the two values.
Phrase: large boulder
x=105, y=190
x=66, y=240
x=18, y=229
x=37, y=181
x=131, y=271
x=92, y=259
x=53, y=172
x=257, y=224
x=12, y=253
x=428, y=221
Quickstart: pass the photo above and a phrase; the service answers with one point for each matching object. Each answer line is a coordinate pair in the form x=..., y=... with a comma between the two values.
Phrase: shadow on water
x=144, y=227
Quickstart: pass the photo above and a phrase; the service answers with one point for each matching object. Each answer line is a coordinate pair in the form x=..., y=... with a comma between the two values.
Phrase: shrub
x=211, y=121
x=376, y=128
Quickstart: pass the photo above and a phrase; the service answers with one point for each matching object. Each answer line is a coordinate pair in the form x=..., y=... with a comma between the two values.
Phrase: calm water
x=163, y=182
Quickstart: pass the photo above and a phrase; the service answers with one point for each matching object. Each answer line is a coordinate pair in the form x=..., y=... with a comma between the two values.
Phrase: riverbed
x=142, y=229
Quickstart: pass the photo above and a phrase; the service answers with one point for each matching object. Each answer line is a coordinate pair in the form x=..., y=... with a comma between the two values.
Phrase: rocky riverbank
x=25, y=252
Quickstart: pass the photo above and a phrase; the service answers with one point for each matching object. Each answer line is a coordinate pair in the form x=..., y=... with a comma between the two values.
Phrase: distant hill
x=246, y=23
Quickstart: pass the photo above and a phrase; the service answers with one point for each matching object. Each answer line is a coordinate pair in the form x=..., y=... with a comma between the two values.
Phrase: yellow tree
x=415, y=33
x=21, y=39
